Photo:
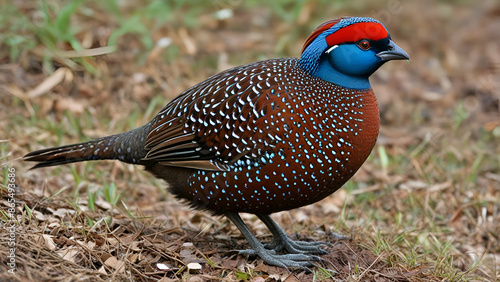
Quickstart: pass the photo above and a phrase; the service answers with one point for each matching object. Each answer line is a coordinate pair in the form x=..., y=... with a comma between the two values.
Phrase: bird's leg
x=270, y=256
x=281, y=241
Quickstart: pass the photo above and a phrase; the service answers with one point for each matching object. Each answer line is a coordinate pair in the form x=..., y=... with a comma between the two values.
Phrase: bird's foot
x=301, y=247
x=282, y=242
x=297, y=247
x=295, y=260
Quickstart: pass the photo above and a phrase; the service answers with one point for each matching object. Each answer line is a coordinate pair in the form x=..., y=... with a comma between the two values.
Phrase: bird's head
x=346, y=51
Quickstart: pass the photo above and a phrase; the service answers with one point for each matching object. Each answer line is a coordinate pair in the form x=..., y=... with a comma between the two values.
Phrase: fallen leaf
x=69, y=254
x=61, y=213
x=116, y=264
x=49, y=242
x=48, y=83
x=134, y=258
x=188, y=245
x=102, y=270
x=40, y=216
x=194, y=266
x=162, y=266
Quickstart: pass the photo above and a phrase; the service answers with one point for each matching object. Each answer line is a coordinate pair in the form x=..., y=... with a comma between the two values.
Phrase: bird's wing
x=229, y=118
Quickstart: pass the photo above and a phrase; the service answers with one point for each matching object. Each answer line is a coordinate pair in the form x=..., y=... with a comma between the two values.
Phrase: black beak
x=394, y=52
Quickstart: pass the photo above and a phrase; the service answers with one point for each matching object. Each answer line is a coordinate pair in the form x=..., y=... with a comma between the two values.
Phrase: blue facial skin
x=350, y=66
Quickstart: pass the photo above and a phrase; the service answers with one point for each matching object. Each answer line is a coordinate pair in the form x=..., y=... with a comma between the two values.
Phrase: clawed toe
x=285, y=260
x=283, y=251
x=298, y=247
x=252, y=252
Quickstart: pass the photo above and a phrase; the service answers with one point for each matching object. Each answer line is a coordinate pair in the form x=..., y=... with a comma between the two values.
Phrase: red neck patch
x=355, y=32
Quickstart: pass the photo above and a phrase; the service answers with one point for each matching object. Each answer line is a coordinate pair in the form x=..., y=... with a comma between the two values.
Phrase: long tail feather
x=86, y=151
x=124, y=147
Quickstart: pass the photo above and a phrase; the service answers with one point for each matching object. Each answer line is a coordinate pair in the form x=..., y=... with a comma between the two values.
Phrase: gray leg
x=269, y=256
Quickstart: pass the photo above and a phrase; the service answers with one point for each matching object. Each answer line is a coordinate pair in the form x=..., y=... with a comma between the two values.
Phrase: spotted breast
x=265, y=142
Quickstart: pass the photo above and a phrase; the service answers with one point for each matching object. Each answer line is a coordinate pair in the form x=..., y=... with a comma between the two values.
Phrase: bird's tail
x=124, y=147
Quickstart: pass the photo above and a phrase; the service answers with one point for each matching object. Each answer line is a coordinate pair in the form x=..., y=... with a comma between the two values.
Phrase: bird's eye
x=364, y=44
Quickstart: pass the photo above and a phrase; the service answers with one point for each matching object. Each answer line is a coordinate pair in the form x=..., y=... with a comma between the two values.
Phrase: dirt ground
x=424, y=207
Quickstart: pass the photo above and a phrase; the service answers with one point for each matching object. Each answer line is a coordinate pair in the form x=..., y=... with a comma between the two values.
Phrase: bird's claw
x=298, y=247
x=302, y=261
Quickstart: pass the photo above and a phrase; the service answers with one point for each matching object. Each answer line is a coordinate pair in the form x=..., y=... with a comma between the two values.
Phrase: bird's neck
x=328, y=73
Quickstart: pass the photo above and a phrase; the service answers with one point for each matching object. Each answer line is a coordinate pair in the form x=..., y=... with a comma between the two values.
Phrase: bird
x=265, y=137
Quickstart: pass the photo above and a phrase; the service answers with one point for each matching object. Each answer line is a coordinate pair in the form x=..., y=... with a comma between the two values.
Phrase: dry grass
x=425, y=206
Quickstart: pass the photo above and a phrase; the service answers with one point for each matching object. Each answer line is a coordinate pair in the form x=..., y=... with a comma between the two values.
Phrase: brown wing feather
x=219, y=121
